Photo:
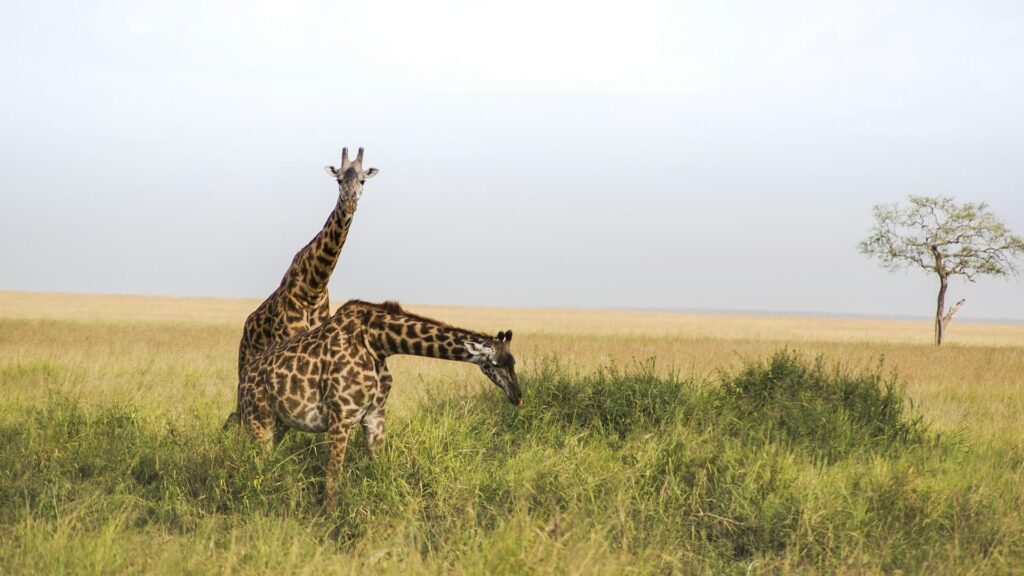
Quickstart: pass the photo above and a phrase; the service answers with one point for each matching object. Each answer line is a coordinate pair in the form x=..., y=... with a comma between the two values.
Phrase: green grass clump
x=823, y=410
x=787, y=465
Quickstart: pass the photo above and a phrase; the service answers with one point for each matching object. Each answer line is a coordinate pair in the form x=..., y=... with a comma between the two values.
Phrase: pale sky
x=675, y=155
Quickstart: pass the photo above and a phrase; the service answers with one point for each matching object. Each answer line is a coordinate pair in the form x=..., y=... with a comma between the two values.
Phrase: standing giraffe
x=333, y=376
x=301, y=301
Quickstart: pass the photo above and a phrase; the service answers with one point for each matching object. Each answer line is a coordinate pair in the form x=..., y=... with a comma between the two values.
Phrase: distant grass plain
x=650, y=442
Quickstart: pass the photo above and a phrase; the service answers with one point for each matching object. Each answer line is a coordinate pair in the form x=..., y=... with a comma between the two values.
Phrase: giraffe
x=301, y=302
x=333, y=376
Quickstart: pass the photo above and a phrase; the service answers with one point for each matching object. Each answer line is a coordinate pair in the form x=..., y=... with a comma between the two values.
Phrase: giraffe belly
x=307, y=417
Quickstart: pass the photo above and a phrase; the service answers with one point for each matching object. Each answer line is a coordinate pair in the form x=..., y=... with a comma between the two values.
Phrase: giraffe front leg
x=337, y=438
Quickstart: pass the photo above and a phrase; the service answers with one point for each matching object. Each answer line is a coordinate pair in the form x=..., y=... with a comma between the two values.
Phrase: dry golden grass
x=91, y=494
x=180, y=353
x=225, y=311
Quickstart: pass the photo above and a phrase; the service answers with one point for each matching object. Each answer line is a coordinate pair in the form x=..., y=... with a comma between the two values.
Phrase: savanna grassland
x=648, y=443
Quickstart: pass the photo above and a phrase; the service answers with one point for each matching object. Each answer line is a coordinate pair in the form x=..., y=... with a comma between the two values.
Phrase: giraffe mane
x=393, y=307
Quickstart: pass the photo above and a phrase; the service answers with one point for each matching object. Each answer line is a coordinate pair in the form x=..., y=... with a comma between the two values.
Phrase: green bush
x=825, y=411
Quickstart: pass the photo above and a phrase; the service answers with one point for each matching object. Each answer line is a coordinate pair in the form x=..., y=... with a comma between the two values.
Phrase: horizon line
x=674, y=310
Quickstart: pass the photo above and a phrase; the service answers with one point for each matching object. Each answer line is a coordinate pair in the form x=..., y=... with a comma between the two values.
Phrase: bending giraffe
x=330, y=378
x=301, y=302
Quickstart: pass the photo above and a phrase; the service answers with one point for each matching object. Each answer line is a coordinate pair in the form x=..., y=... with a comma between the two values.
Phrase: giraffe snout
x=515, y=397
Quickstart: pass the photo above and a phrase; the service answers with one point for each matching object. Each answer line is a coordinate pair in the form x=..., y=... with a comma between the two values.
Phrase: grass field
x=649, y=442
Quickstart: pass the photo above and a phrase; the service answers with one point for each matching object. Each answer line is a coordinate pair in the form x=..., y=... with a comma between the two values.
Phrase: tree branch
x=952, y=310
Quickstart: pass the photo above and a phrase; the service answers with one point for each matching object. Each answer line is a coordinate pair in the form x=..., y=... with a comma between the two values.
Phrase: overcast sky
x=681, y=155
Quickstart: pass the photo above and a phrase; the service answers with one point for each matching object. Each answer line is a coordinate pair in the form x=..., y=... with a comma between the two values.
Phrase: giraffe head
x=351, y=177
x=497, y=363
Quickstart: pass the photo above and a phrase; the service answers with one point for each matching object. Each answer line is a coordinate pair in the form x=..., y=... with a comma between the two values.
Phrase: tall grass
x=786, y=464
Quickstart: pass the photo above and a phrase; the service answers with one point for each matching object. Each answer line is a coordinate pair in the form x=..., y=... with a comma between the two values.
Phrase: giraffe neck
x=312, y=266
x=401, y=333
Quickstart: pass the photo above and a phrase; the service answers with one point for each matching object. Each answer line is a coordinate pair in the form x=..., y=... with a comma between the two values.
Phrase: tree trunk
x=939, y=324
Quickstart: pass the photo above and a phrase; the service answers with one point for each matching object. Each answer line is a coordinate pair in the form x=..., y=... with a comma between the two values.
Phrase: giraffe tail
x=235, y=417
x=231, y=421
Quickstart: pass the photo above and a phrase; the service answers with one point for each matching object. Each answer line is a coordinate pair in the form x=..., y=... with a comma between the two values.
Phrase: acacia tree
x=941, y=236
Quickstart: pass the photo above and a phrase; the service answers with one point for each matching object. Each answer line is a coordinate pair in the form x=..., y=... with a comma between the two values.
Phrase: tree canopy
x=937, y=234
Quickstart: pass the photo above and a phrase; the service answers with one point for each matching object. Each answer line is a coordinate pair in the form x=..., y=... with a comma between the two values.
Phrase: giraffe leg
x=337, y=438
x=261, y=429
x=255, y=415
x=373, y=420
x=279, y=431
x=373, y=426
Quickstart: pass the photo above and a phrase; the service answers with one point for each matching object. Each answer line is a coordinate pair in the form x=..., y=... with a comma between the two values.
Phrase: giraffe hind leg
x=373, y=419
x=373, y=427
x=256, y=417
x=337, y=439
x=262, y=433
x=280, y=429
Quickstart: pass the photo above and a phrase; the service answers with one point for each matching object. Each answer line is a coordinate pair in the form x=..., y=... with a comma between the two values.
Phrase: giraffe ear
x=370, y=173
x=331, y=170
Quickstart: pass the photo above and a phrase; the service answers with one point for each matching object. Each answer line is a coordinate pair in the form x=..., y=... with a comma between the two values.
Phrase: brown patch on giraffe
x=364, y=362
x=357, y=396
